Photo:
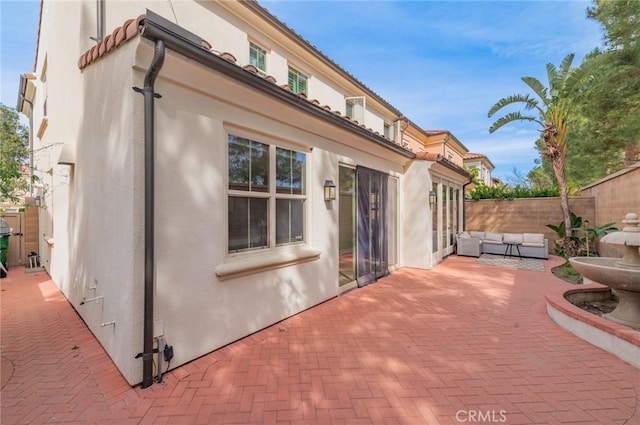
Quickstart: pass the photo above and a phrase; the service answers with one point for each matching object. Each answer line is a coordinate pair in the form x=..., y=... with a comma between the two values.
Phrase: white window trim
x=267, y=52
x=299, y=71
x=241, y=263
x=364, y=107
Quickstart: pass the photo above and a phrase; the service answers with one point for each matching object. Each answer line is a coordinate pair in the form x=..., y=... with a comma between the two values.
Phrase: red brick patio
x=461, y=343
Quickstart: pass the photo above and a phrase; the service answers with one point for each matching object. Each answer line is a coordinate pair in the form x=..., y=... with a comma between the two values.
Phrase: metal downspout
x=149, y=210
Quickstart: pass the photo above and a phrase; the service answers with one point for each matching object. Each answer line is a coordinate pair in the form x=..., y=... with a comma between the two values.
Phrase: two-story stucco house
x=483, y=164
x=208, y=172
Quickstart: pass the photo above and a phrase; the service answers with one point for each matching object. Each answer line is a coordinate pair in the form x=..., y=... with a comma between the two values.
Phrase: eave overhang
x=439, y=159
x=154, y=27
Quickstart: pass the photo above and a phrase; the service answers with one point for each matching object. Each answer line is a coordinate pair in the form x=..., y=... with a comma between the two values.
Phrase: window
x=390, y=131
x=258, y=57
x=297, y=81
x=355, y=108
x=267, y=195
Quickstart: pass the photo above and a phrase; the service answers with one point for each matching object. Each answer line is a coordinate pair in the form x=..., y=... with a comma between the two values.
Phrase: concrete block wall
x=616, y=196
x=527, y=215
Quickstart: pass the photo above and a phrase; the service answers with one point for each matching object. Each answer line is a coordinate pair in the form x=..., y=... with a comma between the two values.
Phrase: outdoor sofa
x=474, y=243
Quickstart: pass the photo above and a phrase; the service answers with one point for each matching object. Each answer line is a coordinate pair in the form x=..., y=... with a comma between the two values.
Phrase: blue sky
x=442, y=63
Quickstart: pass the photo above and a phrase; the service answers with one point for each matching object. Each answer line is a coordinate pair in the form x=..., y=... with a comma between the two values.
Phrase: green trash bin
x=5, y=232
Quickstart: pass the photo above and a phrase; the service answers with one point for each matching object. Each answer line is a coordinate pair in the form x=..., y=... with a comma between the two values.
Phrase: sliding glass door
x=372, y=244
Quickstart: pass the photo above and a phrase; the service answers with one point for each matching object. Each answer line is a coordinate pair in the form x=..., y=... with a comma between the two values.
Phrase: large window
x=267, y=194
x=258, y=57
x=297, y=81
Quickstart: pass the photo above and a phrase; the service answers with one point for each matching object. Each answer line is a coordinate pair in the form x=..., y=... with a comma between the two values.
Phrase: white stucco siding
x=106, y=208
x=90, y=238
x=199, y=310
x=416, y=218
x=94, y=211
x=88, y=220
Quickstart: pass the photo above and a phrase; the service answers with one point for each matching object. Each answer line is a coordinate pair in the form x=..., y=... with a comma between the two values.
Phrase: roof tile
x=228, y=57
x=252, y=69
x=120, y=35
x=205, y=45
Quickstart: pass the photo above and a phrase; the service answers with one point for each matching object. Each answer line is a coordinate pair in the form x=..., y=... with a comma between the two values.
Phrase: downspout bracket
x=142, y=91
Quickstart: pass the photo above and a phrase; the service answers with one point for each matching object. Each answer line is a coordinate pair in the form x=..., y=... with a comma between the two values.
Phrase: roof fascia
x=154, y=28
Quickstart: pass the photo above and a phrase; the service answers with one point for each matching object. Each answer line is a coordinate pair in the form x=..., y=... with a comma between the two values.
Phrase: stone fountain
x=620, y=274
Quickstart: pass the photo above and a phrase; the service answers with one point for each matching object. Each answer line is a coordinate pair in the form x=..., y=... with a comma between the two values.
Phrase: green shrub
x=508, y=192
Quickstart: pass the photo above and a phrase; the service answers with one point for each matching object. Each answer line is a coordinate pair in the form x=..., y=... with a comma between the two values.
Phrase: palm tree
x=554, y=107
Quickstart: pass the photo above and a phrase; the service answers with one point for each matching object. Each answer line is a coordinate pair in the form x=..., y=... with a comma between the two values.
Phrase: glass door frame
x=449, y=199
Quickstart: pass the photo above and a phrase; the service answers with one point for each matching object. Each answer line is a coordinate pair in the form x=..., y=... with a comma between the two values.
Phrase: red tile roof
x=471, y=155
x=119, y=36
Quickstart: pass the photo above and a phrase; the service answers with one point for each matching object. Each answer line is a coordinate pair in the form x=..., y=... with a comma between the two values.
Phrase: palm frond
x=516, y=98
x=578, y=77
x=552, y=75
x=513, y=116
x=565, y=66
x=538, y=88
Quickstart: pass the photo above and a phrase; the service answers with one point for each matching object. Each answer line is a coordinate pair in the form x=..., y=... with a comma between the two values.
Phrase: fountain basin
x=606, y=334
x=625, y=280
x=608, y=271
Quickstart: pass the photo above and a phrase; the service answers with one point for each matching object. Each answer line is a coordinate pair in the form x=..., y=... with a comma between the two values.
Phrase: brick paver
x=461, y=343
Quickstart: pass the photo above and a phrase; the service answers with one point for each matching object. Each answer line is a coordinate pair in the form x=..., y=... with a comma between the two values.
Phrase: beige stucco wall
x=616, y=197
x=416, y=218
x=529, y=215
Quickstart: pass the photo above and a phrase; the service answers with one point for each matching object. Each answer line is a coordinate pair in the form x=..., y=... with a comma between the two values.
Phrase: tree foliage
x=14, y=152
x=605, y=128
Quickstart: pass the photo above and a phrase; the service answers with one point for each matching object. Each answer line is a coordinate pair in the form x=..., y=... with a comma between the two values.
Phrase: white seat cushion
x=513, y=238
x=479, y=235
x=533, y=238
x=493, y=237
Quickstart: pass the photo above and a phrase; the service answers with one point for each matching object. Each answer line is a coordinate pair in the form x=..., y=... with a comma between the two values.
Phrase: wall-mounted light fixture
x=432, y=197
x=329, y=190
x=38, y=200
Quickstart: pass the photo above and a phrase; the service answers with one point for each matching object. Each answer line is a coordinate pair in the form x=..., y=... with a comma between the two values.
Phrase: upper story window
x=258, y=57
x=267, y=195
x=390, y=131
x=355, y=108
x=297, y=81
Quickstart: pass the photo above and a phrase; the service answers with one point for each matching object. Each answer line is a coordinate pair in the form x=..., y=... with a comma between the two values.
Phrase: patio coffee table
x=509, y=249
